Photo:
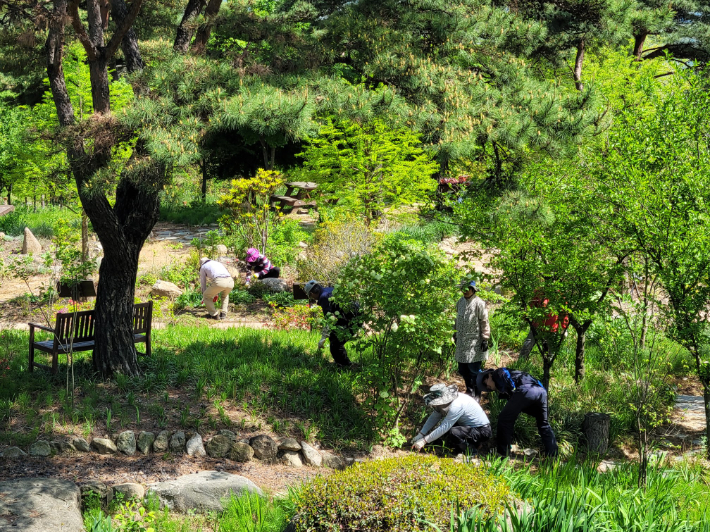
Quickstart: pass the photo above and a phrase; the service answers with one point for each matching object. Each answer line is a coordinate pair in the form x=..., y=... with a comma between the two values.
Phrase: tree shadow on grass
x=268, y=373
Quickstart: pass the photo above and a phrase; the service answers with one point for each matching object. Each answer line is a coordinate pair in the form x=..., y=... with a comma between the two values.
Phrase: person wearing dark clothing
x=525, y=394
x=346, y=321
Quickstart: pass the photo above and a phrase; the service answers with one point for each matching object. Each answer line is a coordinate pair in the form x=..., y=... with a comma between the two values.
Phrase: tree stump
x=596, y=429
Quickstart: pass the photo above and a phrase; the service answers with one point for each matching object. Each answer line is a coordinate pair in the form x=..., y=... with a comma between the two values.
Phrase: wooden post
x=596, y=430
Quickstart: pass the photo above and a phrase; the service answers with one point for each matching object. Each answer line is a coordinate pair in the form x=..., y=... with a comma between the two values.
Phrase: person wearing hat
x=259, y=266
x=215, y=279
x=346, y=321
x=459, y=417
x=525, y=394
x=471, y=337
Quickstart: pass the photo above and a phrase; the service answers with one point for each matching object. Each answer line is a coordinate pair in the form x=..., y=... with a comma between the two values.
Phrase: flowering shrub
x=297, y=316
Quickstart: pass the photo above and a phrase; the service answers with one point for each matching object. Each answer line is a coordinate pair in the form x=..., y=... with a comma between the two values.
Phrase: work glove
x=418, y=437
x=484, y=345
x=417, y=445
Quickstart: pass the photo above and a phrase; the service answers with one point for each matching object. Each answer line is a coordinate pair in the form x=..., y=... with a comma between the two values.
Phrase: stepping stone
x=40, y=505
x=202, y=492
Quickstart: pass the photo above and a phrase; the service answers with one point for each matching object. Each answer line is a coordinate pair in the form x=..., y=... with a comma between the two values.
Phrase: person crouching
x=215, y=280
x=459, y=417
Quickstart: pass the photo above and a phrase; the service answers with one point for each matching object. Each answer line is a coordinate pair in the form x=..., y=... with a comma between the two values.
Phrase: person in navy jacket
x=525, y=394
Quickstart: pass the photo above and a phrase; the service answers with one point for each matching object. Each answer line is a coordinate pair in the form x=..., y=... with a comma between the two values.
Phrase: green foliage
x=239, y=296
x=409, y=493
x=188, y=299
x=406, y=297
x=251, y=512
x=280, y=299
x=334, y=243
x=284, y=241
x=369, y=167
x=197, y=213
x=42, y=222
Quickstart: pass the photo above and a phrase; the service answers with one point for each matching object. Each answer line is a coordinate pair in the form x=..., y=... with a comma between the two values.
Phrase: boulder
x=104, y=446
x=130, y=490
x=101, y=490
x=289, y=444
x=160, y=445
x=2, y=236
x=40, y=448
x=165, y=289
x=275, y=285
x=13, y=452
x=177, y=442
x=292, y=459
x=332, y=461
x=126, y=443
x=203, y=491
x=265, y=448
x=194, y=446
x=219, y=446
x=30, y=244
x=145, y=442
x=229, y=434
x=80, y=444
x=310, y=455
x=40, y=505
x=221, y=250
x=241, y=452
x=62, y=446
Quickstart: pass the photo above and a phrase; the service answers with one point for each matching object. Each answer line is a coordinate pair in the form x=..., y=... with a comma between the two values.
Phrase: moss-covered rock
x=397, y=494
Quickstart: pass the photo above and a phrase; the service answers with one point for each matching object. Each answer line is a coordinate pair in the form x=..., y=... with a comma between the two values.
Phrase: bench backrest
x=85, y=323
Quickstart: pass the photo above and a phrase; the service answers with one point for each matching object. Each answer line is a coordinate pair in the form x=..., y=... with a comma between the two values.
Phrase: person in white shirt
x=215, y=279
x=459, y=417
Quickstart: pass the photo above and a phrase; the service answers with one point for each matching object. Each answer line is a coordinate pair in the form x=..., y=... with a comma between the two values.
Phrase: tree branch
x=121, y=31
x=91, y=51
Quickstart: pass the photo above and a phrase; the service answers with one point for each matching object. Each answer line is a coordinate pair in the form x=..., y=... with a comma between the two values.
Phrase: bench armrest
x=38, y=326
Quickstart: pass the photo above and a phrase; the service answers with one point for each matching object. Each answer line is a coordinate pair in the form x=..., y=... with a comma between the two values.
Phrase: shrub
x=334, y=243
x=296, y=316
x=280, y=299
x=284, y=239
x=189, y=298
x=239, y=296
x=196, y=213
x=403, y=494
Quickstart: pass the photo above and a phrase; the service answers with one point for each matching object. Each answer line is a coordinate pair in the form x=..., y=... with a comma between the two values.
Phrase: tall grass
x=41, y=222
x=196, y=213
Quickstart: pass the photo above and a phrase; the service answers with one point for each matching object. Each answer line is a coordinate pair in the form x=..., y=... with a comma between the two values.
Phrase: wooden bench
x=83, y=329
x=292, y=202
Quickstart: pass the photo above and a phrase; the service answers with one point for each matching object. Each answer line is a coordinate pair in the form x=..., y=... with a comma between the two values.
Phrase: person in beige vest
x=215, y=280
x=473, y=331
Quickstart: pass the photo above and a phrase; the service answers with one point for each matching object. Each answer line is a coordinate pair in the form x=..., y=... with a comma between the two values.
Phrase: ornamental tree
x=369, y=166
x=407, y=298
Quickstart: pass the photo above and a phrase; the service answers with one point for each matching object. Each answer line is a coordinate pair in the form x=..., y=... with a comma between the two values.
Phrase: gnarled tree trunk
x=129, y=43
x=186, y=29
x=203, y=33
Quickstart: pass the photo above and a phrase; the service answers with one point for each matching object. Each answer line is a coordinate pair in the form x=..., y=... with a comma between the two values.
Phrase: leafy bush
x=182, y=274
x=407, y=298
x=403, y=494
x=284, y=239
x=280, y=299
x=239, y=296
x=189, y=298
x=429, y=233
x=298, y=316
x=335, y=242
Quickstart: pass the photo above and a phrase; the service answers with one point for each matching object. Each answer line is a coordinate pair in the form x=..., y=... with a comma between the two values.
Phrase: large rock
x=292, y=459
x=177, y=442
x=30, y=244
x=160, y=445
x=104, y=446
x=289, y=444
x=40, y=448
x=13, y=452
x=203, y=491
x=40, y=505
x=275, y=285
x=219, y=446
x=130, y=490
x=241, y=452
x=229, y=434
x=165, y=289
x=265, y=447
x=62, y=445
x=80, y=444
x=194, y=446
x=332, y=461
x=221, y=250
x=310, y=455
x=126, y=443
x=145, y=442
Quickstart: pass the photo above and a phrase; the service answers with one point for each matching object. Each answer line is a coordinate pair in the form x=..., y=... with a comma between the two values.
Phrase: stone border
x=224, y=444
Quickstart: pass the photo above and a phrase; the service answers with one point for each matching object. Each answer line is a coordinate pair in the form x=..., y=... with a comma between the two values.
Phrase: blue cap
x=465, y=284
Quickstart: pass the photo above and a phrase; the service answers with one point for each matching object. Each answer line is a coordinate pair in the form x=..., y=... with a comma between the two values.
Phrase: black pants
x=274, y=273
x=469, y=371
x=337, y=349
x=530, y=400
x=467, y=439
